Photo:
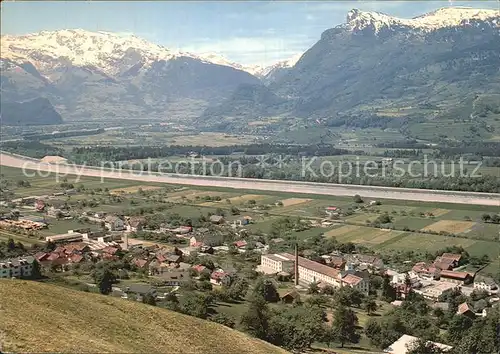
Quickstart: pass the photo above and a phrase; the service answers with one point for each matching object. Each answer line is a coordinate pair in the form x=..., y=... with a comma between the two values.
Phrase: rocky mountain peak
x=358, y=20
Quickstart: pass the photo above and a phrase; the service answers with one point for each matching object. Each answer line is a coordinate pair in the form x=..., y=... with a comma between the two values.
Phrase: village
x=171, y=264
x=156, y=256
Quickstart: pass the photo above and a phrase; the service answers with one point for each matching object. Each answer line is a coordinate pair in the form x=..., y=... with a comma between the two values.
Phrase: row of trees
x=109, y=153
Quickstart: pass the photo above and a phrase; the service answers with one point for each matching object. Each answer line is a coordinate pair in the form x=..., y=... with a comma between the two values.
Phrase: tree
x=36, y=272
x=388, y=292
x=266, y=289
x=384, y=219
x=486, y=217
x=296, y=328
x=477, y=295
x=238, y=288
x=149, y=299
x=11, y=245
x=204, y=285
x=171, y=302
x=344, y=325
x=313, y=288
x=482, y=337
x=370, y=305
x=235, y=211
x=457, y=327
x=196, y=305
x=317, y=300
x=256, y=319
x=357, y=199
x=384, y=332
x=348, y=296
x=375, y=282
x=373, y=330
x=223, y=319
x=422, y=346
x=104, y=278
x=219, y=211
x=205, y=275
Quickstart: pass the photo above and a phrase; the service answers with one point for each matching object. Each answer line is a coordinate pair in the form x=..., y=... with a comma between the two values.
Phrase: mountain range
x=369, y=65
x=374, y=68
x=88, y=75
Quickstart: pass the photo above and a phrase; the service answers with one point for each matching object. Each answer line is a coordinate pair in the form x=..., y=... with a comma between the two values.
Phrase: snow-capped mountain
x=371, y=58
x=375, y=61
x=87, y=73
x=282, y=64
x=109, y=52
x=358, y=20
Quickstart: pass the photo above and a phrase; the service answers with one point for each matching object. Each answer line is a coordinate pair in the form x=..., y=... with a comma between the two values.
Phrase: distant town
x=221, y=260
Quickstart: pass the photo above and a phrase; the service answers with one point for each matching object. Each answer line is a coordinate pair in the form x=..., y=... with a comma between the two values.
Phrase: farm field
x=411, y=223
x=5, y=235
x=412, y=241
x=477, y=237
x=451, y=226
x=133, y=189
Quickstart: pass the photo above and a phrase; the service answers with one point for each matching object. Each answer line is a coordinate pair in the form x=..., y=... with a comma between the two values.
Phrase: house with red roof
x=76, y=258
x=53, y=256
x=356, y=282
x=425, y=271
x=140, y=263
x=110, y=250
x=39, y=205
x=465, y=310
x=41, y=256
x=240, y=244
x=135, y=224
x=219, y=277
x=451, y=276
x=199, y=268
x=76, y=248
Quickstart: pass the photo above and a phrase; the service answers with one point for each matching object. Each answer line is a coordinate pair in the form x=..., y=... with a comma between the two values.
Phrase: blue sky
x=248, y=32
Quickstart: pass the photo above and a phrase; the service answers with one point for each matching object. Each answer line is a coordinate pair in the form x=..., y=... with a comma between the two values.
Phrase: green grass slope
x=38, y=317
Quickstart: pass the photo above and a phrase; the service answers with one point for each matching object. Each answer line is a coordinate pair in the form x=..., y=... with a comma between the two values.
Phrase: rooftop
x=452, y=274
x=352, y=279
x=314, y=266
x=401, y=345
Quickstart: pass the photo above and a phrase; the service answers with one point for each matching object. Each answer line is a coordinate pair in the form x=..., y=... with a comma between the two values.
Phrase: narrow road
x=423, y=195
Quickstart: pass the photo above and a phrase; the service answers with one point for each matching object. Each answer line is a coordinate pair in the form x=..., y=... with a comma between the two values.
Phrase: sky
x=247, y=32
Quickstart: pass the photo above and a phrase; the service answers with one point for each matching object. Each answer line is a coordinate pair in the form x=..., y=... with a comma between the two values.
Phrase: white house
x=485, y=283
x=114, y=223
x=135, y=224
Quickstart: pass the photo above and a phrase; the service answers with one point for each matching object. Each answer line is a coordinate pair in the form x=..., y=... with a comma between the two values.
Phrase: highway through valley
x=370, y=192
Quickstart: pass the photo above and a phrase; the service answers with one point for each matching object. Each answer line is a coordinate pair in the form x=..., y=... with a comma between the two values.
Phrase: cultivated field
x=134, y=189
x=245, y=198
x=294, y=201
x=407, y=217
x=451, y=226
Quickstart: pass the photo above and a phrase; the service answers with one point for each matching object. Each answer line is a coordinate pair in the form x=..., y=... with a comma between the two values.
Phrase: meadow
x=409, y=229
